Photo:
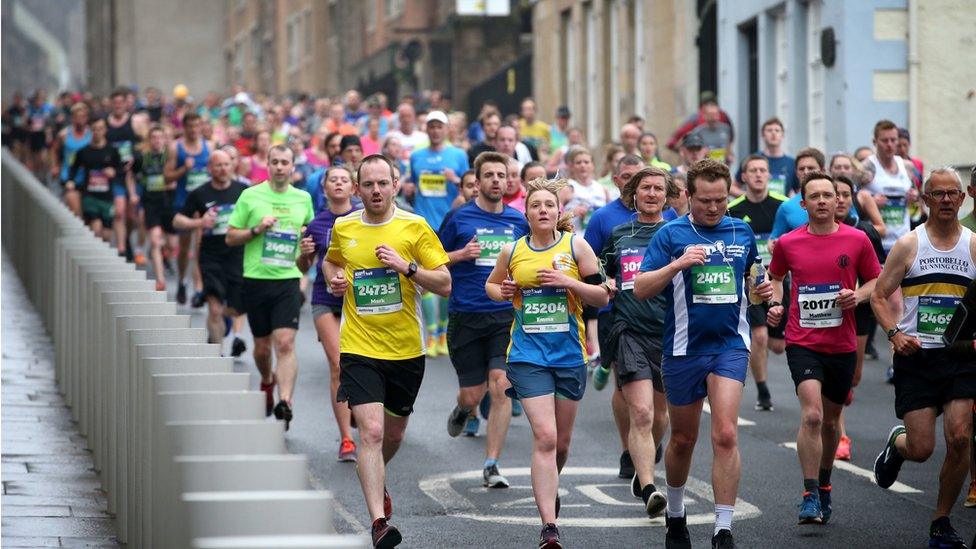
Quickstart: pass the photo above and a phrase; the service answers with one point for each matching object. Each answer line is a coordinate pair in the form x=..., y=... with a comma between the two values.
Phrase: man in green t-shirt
x=267, y=220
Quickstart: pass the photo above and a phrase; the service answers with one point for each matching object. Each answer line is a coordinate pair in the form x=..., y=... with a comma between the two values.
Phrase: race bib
x=433, y=185
x=98, y=182
x=893, y=212
x=818, y=305
x=491, y=241
x=717, y=154
x=279, y=248
x=778, y=185
x=37, y=123
x=630, y=262
x=155, y=183
x=713, y=284
x=934, y=314
x=195, y=179
x=222, y=222
x=377, y=291
x=125, y=150
x=545, y=310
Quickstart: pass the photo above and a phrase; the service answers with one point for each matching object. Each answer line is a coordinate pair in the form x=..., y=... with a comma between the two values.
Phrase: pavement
x=51, y=492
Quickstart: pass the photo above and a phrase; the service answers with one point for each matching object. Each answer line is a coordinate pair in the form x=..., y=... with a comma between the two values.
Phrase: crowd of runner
x=535, y=263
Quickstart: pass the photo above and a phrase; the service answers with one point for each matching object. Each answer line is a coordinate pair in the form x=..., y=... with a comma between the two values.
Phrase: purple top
x=320, y=229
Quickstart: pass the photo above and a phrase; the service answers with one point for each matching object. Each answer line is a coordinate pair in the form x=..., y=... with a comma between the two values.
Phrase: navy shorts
x=532, y=380
x=685, y=376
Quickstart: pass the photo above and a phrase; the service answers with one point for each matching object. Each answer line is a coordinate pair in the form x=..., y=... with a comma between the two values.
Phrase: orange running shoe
x=843, y=449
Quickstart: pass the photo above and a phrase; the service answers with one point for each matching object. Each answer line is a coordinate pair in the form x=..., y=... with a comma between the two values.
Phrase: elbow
x=445, y=290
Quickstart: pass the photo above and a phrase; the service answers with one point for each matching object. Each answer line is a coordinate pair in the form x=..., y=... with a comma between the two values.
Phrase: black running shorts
x=834, y=371
x=222, y=279
x=478, y=342
x=638, y=357
x=928, y=379
x=395, y=383
x=271, y=304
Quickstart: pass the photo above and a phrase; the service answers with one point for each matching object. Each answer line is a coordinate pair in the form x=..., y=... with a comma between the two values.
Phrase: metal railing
x=185, y=452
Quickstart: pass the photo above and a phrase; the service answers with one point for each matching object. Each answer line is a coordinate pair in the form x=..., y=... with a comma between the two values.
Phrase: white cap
x=437, y=116
x=241, y=97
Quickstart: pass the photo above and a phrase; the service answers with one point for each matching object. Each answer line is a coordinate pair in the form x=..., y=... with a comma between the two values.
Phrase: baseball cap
x=437, y=116
x=563, y=112
x=241, y=97
x=692, y=141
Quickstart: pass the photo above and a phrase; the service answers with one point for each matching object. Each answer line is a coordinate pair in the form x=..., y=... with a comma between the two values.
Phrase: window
x=612, y=69
x=816, y=131
x=639, y=59
x=393, y=8
x=591, y=74
x=567, y=55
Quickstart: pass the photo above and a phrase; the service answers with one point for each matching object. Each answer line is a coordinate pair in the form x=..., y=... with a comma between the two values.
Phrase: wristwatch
x=891, y=333
x=253, y=231
x=772, y=304
x=411, y=270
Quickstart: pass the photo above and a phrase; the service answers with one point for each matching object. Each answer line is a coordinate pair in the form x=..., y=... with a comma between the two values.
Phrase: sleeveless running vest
x=548, y=325
x=895, y=188
x=70, y=148
x=124, y=138
x=195, y=176
x=593, y=196
x=933, y=286
x=151, y=178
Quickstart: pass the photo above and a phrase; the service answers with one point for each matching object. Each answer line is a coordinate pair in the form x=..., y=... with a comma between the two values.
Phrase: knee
x=812, y=420
x=830, y=426
x=725, y=437
x=682, y=442
x=262, y=352
x=641, y=415
x=497, y=384
x=920, y=450
x=777, y=346
x=545, y=440
x=394, y=436
x=284, y=345
x=469, y=398
x=371, y=432
x=958, y=441
x=760, y=339
x=216, y=310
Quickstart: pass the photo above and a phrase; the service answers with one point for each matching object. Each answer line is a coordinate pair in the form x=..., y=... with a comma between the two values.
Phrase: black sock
x=810, y=485
x=825, y=477
x=762, y=389
x=647, y=491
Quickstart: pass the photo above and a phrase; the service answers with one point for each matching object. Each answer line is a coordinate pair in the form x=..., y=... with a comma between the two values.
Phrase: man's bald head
x=629, y=136
x=220, y=166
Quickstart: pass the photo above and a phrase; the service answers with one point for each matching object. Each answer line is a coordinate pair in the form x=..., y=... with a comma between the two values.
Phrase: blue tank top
x=70, y=148
x=195, y=176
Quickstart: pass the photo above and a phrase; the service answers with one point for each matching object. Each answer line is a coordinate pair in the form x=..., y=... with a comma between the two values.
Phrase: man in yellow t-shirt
x=377, y=258
x=533, y=131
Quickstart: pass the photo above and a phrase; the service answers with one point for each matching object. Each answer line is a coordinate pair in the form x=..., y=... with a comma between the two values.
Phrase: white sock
x=676, y=501
x=723, y=517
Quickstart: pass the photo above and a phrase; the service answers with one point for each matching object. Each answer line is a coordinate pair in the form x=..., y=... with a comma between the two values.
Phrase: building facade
x=610, y=59
x=830, y=69
x=151, y=43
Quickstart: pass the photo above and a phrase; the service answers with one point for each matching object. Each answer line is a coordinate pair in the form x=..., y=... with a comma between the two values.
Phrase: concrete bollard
x=264, y=513
x=139, y=478
x=242, y=472
x=333, y=541
x=194, y=438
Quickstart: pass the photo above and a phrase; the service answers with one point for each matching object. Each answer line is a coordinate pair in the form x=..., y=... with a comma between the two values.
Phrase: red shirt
x=821, y=265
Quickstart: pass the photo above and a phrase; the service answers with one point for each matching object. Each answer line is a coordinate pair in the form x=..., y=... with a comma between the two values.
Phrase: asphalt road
x=435, y=481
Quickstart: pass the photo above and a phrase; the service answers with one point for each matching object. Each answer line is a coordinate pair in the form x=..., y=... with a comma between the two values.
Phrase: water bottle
x=757, y=275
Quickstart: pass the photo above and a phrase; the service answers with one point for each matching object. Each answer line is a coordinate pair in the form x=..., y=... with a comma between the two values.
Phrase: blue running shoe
x=825, y=509
x=943, y=536
x=517, y=407
x=471, y=429
x=810, y=509
x=484, y=407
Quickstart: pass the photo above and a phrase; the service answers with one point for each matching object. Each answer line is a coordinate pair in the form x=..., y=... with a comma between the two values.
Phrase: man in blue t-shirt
x=478, y=334
x=435, y=173
x=598, y=323
x=782, y=170
x=700, y=263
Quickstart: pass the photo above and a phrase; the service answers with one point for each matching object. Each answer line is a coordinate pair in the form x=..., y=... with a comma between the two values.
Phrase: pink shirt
x=821, y=265
x=369, y=146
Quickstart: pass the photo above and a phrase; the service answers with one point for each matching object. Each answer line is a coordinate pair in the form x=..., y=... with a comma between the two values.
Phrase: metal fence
x=185, y=452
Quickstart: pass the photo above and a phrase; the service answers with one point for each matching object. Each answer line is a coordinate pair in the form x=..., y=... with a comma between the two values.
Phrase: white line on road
x=851, y=468
x=742, y=422
x=339, y=508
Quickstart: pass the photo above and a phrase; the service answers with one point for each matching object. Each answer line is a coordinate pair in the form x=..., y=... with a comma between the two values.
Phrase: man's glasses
x=952, y=194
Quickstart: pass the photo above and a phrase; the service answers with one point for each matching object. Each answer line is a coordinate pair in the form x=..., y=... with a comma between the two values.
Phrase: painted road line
x=339, y=508
x=742, y=421
x=440, y=488
x=851, y=468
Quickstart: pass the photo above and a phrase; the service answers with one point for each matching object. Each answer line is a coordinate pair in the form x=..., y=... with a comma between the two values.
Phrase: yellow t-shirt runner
x=381, y=313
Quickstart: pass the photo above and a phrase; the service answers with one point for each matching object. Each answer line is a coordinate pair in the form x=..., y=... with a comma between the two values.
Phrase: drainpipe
x=913, y=106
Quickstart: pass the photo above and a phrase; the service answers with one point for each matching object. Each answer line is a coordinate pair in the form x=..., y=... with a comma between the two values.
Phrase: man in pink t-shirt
x=826, y=260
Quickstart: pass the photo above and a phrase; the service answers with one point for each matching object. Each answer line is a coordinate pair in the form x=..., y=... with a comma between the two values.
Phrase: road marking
x=339, y=508
x=851, y=468
x=741, y=421
x=440, y=489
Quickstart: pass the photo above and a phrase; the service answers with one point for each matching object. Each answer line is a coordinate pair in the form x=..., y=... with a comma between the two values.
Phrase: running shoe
x=269, y=396
x=385, y=534
x=197, y=301
x=600, y=376
x=283, y=412
x=181, y=293
x=635, y=486
x=971, y=498
x=825, y=508
x=472, y=426
x=654, y=501
x=494, y=479
x=676, y=533
x=457, y=420
x=517, y=409
x=549, y=539
x=889, y=461
x=347, y=451
x=442, y=345
x=484, y=407
x=723, y=540
x=659, y=453
x=431, y=347
x=140, y=260
x=890, y=375
x=764, y=404
x=810, y=509
x=387, y=504
x=238, y=347
x=943, y=536
x=626, y=466
x=843, y=449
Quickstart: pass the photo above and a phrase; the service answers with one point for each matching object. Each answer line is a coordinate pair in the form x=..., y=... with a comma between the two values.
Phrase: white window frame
x=781, y=68
x=591, y=73
x=613, y=12
x=640, y=70
x=816, y=123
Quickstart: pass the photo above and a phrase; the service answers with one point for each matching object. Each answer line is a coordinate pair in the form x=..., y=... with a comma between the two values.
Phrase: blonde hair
x=553, y=186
